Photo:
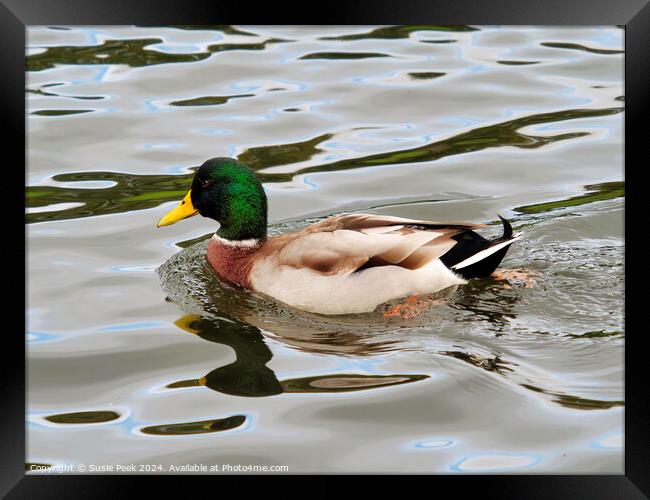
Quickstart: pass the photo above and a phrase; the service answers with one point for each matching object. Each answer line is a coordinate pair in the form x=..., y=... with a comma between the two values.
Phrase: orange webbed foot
x=524, y=278
x=411, y=307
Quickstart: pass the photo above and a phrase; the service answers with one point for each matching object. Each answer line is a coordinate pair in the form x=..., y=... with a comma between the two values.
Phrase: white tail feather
x=484, y=253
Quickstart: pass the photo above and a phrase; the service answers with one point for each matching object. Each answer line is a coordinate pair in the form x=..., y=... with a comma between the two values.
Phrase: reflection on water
x=84, y=417
x=433, y=122
x=518, y=63
x=494, y=364
x=52, y=94
x=343, y=55
x=392, y=32
x=581, y=403
x=249, y=376
x=488, y=301
x=60, y=112
x=498, y=365
x=282, y=154
x=138, y=192
x=577, y=46
x=224, y=28
x=346, y=382
x=425, y=75
x=596, y=192
x=202, y=427
x=591, y=335
x=130, y=52
x=208, y=100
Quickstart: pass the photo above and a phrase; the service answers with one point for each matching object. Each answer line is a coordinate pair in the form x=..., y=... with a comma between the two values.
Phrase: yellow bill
x=185, y=322
x=184, y=210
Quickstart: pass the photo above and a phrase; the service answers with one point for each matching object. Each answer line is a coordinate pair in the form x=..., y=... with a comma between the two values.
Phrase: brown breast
x=231, y=263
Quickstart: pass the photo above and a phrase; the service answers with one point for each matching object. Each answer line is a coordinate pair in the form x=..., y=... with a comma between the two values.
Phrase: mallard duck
x=344, y=264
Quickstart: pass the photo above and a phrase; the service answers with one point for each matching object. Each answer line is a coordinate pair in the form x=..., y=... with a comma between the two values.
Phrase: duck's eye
x=206, y=183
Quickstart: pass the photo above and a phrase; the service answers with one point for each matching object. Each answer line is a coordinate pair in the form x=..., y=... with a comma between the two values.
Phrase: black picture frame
x=633, y=15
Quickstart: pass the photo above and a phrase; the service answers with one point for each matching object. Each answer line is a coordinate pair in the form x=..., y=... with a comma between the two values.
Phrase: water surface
x=137, y=354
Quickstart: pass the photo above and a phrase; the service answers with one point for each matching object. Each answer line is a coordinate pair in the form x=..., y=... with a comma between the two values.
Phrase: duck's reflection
x=249, y=376
x=490, y=302
x=497, y=364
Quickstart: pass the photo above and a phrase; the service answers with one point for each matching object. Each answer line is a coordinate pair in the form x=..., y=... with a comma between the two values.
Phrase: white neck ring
x=250, y=243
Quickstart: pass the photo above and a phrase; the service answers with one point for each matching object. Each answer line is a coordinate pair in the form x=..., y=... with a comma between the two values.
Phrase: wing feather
x=347, y=243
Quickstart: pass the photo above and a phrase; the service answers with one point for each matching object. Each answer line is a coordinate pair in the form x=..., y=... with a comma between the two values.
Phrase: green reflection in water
x=224, y=28
x=422, y=75
x=392, y=32
x=282, y=154
x=343, y=55
x=52, y=94
x=208, y=100
x=577, y=46
x=132, y=192
x=130, y=52
x=138, y=192
x=60, y=112
x=438, y=41
x=597, y=192
x=500, y=134
x=518, y=63
x=596, y=335
x=83, y=417
x=579, y=403
x=222, y=47
x=199, y=427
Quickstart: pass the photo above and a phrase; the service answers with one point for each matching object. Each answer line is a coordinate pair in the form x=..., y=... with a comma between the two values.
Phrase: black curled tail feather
x=507, y=229
x=471, y=244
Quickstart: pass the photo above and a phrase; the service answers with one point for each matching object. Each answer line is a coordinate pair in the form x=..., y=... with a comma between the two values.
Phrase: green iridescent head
x=229, y=192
